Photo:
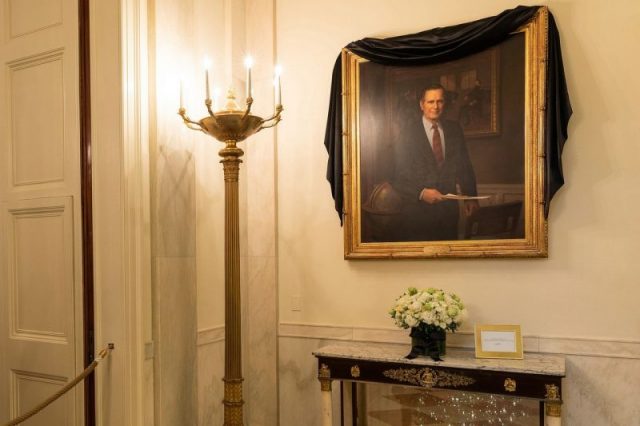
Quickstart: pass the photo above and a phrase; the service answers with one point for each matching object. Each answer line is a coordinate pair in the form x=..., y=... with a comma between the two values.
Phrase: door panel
x=40, y=273
x=28, y=390
x=40, y=233
x=36, y=91
x=29, y=16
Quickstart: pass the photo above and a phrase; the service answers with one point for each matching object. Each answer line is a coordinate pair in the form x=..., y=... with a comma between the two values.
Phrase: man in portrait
x=432, y=162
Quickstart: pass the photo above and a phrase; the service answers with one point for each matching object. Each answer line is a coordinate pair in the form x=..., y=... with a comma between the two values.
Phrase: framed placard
x=498, y=341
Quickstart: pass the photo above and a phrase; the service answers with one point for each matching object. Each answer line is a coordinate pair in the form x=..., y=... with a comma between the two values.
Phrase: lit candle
x=207, y=65
x=278, y=86
x=248, y=63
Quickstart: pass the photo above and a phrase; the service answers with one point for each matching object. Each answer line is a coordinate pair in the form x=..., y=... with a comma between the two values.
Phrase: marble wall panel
x=175, y=205
x=148, y=399
x=175, y=336
x=261, y=220
x=261, y=374
x=601, y=391
x=210, y=384
x=261, y=193
x=299, y=388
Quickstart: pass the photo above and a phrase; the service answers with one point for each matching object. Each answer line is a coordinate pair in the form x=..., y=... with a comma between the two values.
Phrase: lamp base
x=233, y=402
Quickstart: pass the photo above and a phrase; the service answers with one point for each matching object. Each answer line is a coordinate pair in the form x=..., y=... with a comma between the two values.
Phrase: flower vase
x=430, y=342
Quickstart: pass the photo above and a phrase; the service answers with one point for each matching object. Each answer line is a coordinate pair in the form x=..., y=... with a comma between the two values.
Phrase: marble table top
x=551, y=365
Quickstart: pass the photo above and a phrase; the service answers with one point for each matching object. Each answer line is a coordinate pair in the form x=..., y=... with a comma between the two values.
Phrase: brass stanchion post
x=233, y=321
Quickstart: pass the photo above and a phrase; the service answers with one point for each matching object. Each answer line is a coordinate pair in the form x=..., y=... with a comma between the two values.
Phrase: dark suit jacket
x=417, y=169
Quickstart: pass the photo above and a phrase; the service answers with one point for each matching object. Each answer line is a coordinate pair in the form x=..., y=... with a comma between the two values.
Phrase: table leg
x=553, y=406
x=324, y=375
x=553, y=410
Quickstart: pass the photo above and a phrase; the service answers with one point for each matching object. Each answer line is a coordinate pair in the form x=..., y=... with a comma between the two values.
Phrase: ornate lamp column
x=230, y=126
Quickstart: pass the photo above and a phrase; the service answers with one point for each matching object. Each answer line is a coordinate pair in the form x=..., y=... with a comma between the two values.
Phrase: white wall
x=580, y=301
x=588, y=287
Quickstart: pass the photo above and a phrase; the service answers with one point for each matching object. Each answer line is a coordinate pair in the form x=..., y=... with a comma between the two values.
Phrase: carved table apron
x=537, y=376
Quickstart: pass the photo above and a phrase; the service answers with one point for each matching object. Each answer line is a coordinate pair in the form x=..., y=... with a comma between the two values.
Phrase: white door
x=40, y=233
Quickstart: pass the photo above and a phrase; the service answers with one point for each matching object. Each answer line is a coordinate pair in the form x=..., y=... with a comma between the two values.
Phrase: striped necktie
x=436, y=143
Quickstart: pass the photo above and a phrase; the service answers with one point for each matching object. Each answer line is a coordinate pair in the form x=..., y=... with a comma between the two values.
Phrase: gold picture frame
x=498, y=341
x=506, y=151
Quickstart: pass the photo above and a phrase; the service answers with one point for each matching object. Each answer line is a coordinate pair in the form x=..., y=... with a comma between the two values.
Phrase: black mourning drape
x=445, y=44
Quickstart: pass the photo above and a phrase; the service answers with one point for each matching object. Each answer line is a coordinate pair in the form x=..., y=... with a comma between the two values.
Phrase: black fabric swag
x=449, y=43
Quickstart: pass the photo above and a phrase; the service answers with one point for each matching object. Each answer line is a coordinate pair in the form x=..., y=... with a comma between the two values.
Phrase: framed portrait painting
x=446, y=159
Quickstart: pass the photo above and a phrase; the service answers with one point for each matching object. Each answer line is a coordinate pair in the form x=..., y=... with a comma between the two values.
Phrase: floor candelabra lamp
x=231, y=125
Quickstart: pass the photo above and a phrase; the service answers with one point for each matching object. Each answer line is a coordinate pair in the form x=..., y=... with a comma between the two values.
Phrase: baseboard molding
x=608, y=348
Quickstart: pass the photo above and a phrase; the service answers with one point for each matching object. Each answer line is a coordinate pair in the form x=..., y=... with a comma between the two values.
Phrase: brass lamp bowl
x=231, y=125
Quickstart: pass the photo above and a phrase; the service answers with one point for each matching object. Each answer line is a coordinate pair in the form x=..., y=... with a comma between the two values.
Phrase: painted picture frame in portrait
x=447, y=159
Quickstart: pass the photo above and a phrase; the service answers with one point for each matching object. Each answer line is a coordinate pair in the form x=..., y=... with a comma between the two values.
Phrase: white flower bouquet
x=429, y=313
x=428, y=309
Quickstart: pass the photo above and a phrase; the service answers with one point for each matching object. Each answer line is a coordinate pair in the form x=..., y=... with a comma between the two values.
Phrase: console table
x=537, y=376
